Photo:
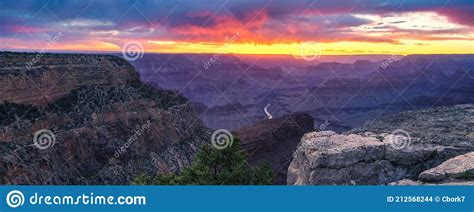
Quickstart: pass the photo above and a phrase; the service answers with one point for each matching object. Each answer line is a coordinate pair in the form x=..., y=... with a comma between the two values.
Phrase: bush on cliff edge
x=214, y=167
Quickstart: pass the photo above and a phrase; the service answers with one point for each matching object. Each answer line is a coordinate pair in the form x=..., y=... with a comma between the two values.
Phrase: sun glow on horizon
x=336, y=48
x=196, y=30
x=295, y=48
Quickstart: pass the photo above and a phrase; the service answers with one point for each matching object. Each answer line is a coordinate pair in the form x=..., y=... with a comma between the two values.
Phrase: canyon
x=105, y=126
x=314, y=123
x=345, y=91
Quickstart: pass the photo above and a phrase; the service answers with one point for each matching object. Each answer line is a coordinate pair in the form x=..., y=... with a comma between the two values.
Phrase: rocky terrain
x=92, y=119
x=274, y=141
x=433, y=146
x=102, y=125
x=22, y=80
x=455, y=171
x=232, y=92
x=99, y=124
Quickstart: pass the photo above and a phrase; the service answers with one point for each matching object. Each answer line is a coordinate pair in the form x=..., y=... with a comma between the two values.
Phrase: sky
x=295, y=27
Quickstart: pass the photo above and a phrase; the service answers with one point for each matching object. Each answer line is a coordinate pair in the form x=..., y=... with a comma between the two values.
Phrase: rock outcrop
x=458, y=167
x=328, y=158
x=358, y=92
x=39, y=79
x=455, y=171
x=105, y=127
x=405, y=148
x=274, y=141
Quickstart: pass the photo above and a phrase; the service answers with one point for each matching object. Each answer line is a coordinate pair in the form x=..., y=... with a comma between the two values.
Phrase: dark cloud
x=207, y=20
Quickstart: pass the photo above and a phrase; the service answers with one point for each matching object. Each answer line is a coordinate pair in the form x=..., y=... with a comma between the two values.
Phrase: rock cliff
x=455, y=171
x=99, y=124
x=40, y=79
x=274, y=141
x=407, y=147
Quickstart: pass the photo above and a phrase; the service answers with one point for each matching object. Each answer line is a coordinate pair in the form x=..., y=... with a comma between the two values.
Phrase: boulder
x=330, y=158
x=461, y=166
x=418, y=147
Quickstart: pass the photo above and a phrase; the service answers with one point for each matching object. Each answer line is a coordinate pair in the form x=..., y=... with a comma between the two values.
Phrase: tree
x=215, y=167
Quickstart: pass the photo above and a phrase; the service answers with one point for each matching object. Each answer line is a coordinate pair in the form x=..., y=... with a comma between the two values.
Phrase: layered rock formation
x=457, y=167
x=40, y=79
x=232, y=93
x=455, y=171
x=274, y=141
x=411, y=146
x=328, y=158
x=106, y=127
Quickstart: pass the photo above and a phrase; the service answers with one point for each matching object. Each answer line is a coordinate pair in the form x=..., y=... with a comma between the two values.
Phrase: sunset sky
x=328, y=27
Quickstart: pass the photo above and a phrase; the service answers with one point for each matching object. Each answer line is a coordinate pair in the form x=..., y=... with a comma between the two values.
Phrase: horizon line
x=210, y=53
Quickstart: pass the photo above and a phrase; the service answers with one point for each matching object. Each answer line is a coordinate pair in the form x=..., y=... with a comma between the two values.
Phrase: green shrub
x=467, y=176
x=214, y=167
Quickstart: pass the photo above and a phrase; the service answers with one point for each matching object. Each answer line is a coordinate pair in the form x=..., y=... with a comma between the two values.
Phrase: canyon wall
x=98, y=124
x=40, y=79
